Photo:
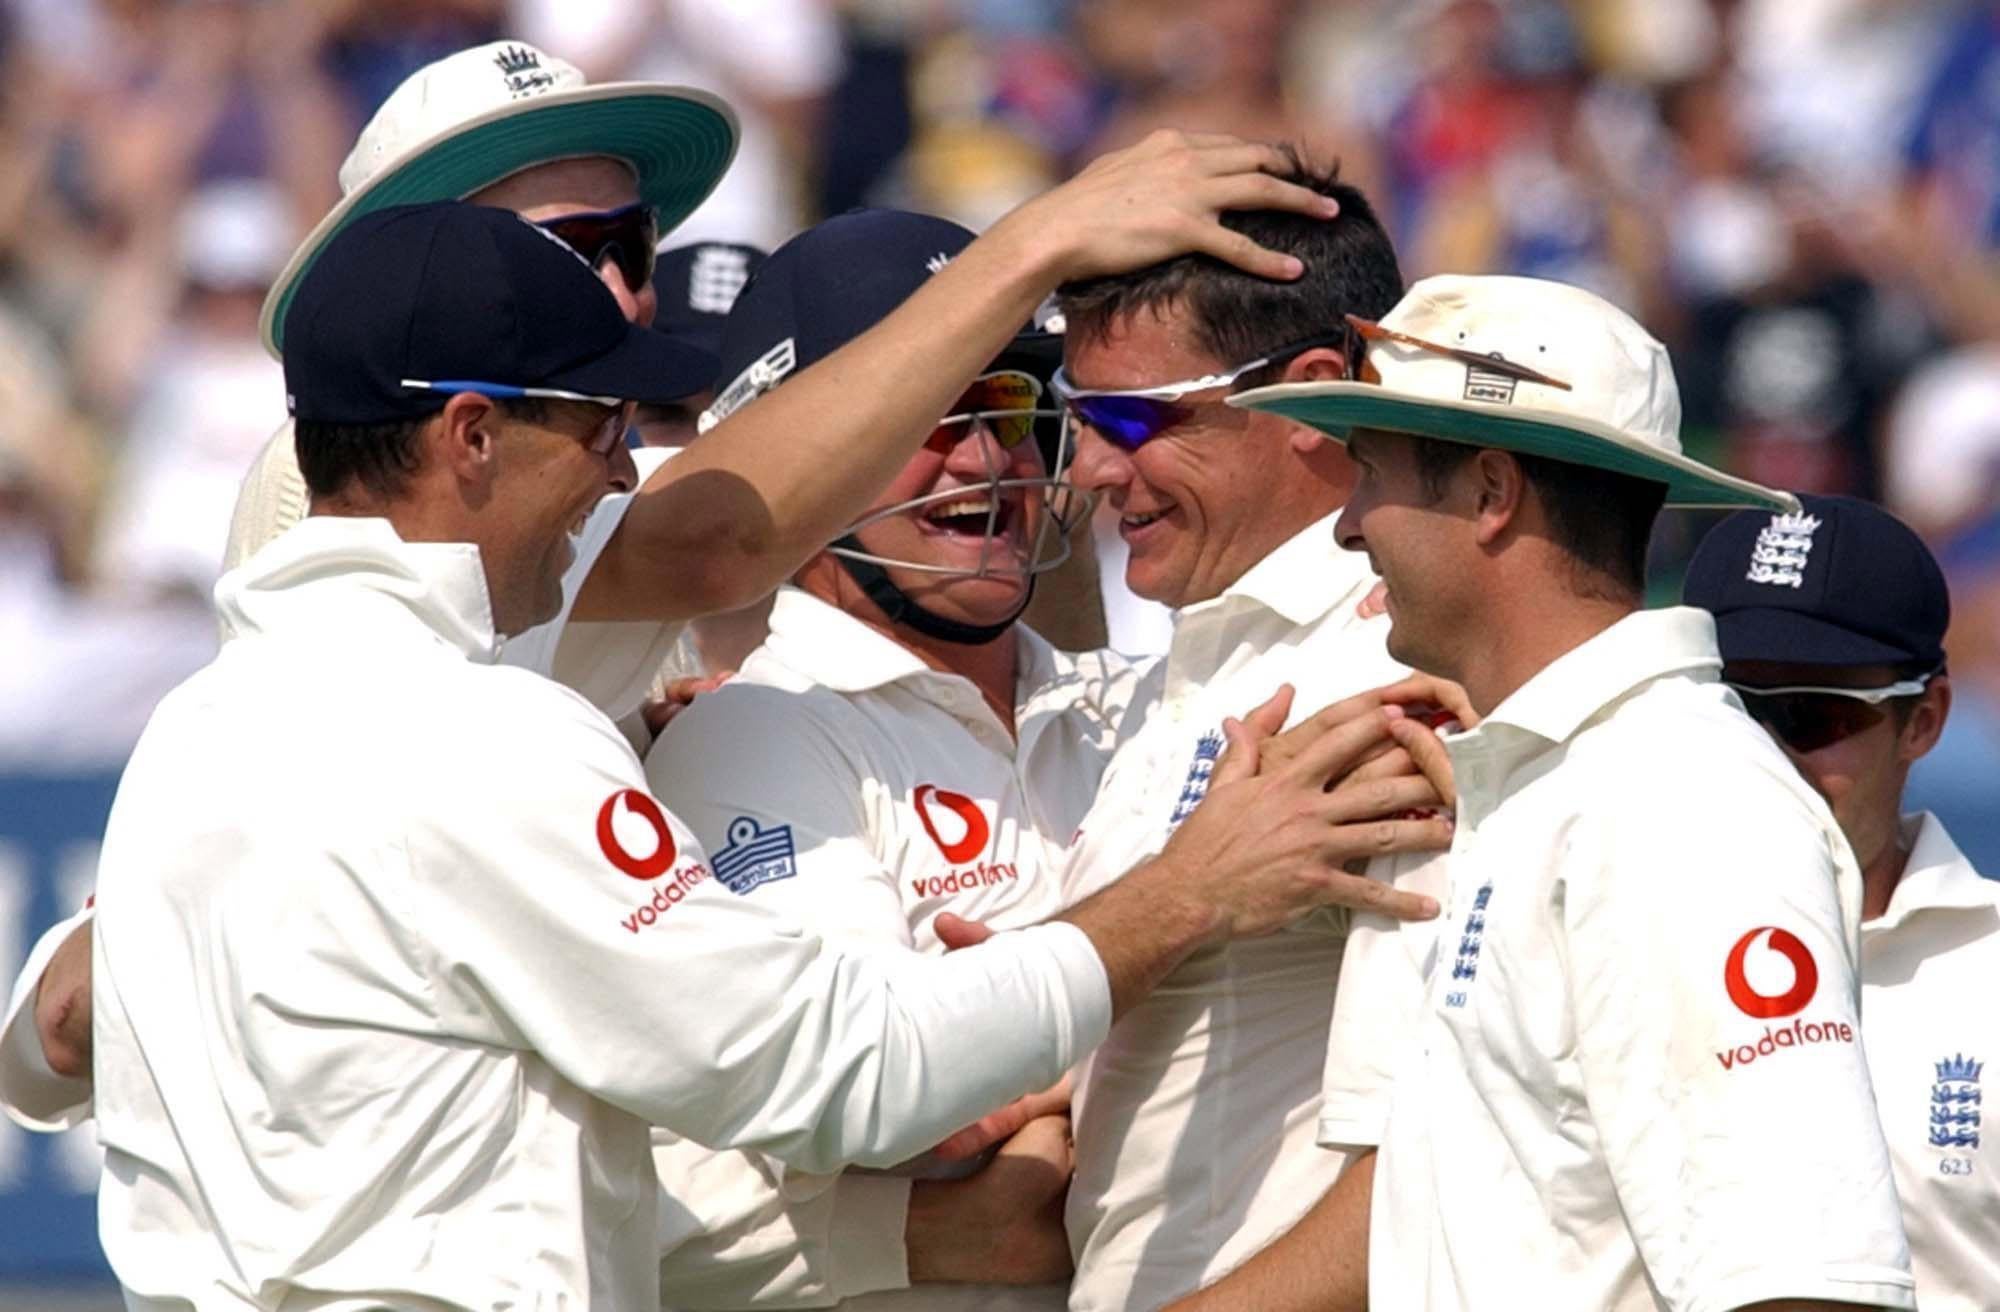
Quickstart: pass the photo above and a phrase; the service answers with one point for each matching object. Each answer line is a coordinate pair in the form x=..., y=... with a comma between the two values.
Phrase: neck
x=1881, y=872
x=1514, y=651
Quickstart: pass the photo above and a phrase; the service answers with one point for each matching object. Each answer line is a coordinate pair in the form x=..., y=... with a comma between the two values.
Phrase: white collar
x=310, y=575
x=1302, y=579
x=1645, y=645
x=1937, y=877
x=835, y=650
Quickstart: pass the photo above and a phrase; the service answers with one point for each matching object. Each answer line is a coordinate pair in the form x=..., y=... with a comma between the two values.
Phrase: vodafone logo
x=964, y=815
x=1755, y=1002
x=633, y=834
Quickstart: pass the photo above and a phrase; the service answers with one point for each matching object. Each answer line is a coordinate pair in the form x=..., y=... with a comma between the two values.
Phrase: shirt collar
x=1644, y=646
x=307, y=576
x=1302, y=579
x=1936, y=877
x=837, y=651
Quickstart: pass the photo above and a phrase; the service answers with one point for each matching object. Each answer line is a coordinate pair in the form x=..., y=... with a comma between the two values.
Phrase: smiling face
x=1421, y=546
x=1216, y=492
x=553, y=466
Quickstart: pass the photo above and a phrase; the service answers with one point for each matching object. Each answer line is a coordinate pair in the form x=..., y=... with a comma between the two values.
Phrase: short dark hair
x=1603, y=521
x=380, y=457
x=1350, y=268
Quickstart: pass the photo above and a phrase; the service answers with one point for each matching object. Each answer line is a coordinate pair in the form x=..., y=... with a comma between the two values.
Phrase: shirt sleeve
x=611, y=663
x=1377, y=1006
x=32, y=1094
x=1713, y=984
x=771, y=782
x=568, y=913
x=737, y=1231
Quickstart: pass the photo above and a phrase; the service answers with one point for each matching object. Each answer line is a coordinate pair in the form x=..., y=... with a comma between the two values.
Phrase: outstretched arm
x=737, y=512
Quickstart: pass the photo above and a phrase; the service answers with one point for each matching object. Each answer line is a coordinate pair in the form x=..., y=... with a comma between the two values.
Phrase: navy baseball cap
x=1842, y=582
x=411, y=303
x=697, y=286
x=821, y=290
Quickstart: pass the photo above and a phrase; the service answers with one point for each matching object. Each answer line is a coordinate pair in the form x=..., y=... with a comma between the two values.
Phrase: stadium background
x=1801, y=197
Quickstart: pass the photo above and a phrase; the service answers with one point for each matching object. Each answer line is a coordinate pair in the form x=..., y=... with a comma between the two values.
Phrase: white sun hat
x=1523, y=364
x=470, y=119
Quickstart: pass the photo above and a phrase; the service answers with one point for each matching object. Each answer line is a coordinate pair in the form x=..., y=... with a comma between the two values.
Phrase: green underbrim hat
x=678, y=142
x=1620, y=412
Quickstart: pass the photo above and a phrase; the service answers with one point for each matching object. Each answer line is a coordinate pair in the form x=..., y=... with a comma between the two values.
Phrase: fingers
x=1429, y=756
x=1239, y=759
x=1234, y=248
x=1375, y=603
x=1364, y=894
x=1335, y=751
x=1389, y=763
x=957, y=932
x=1379, y=798
x=1271, y=716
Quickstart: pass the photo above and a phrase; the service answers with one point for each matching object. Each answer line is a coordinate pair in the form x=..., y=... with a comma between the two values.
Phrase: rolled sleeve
x=33, y=1095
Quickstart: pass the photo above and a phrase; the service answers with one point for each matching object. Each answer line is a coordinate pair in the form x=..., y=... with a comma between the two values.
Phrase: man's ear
x=1499, y=489
x=1926, y=722
x=1319, y=365
x=463, y=438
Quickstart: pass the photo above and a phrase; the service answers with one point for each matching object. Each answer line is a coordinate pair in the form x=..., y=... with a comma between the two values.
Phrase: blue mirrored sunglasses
x=1132, y=417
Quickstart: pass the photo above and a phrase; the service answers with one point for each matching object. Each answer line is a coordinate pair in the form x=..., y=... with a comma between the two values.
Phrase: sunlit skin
x=586, y=185
x=926, y=535
x=1862, y=776
x=1210, y=497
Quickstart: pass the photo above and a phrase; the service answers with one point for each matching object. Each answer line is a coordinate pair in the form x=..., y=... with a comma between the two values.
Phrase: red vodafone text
x=665, y=895
x=1758, y=1005
x=984, y=875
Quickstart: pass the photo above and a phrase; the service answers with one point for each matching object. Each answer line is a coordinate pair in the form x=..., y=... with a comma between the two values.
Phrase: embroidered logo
x=522, y=68
x=1955, y=1103
x=752, y=856
x=930, y=798
x=1466, y=968
x=633, y=835
x=1779, y=556
x=716, y=278
x=1489, y=385
x=1195, y=787
x=937, y=262
x=1757, y=1004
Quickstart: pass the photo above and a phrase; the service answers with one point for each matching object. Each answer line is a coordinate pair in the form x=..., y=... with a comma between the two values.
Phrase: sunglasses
x=1006, y=401
x=1809, y=718
x=626, y=236
x=609, y=432
x=1132, y=417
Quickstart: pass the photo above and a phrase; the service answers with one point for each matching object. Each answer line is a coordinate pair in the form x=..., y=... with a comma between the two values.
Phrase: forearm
x=1319, y=1265
x=749, y=502
x=1143, y=926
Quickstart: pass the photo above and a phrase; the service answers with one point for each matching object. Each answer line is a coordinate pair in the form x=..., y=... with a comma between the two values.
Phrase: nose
x=1098, y=466
x=978, y=454
x=632, y=305
x=622, y=472
x=1347, y=529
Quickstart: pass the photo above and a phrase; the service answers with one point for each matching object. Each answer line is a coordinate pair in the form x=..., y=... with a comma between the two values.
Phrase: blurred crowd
x=1801, y=197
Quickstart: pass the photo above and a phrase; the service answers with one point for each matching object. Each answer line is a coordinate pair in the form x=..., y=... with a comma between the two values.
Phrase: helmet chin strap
x=901, y=608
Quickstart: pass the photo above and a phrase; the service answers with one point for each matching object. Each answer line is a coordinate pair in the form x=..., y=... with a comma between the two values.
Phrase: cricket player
x=715, y=529
x=1196, y=1122
x=382, y=1021
x=1831, y=623
x=1638, y=1079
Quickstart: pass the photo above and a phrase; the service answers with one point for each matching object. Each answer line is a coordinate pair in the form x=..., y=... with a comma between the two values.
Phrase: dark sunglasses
x=1005, y=400
x=1133, y=417
x=626, y=236
x=1808, y=719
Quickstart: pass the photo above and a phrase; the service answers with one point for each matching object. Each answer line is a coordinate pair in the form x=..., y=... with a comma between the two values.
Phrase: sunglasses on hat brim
x=1007, y=401
x=609, y=432
x=1808, y=718
x=626, y=236
x=1132, y=417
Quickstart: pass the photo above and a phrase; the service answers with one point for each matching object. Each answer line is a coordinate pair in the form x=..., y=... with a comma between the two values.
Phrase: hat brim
x=679, y=142
x=1337, y=409
x=647, y=366
x=1791, y=637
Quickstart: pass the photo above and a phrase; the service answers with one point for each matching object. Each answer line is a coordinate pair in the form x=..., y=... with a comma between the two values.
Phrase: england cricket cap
x=406, y=304
x=1838, y=582
x=473, y=118
x=1620, y=410
x=697, y=286
x=821, y=290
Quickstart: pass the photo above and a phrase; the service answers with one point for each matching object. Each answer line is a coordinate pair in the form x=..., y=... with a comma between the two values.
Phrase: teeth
x=963, y=506
x=1140, y=521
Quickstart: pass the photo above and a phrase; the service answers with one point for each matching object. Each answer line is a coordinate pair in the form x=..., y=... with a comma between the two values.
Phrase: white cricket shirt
x=841, y=780
x=1929, y=968
x=33, y=1095
x=384, y=1004
x=1195, y=1122
x=1638, y=1081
